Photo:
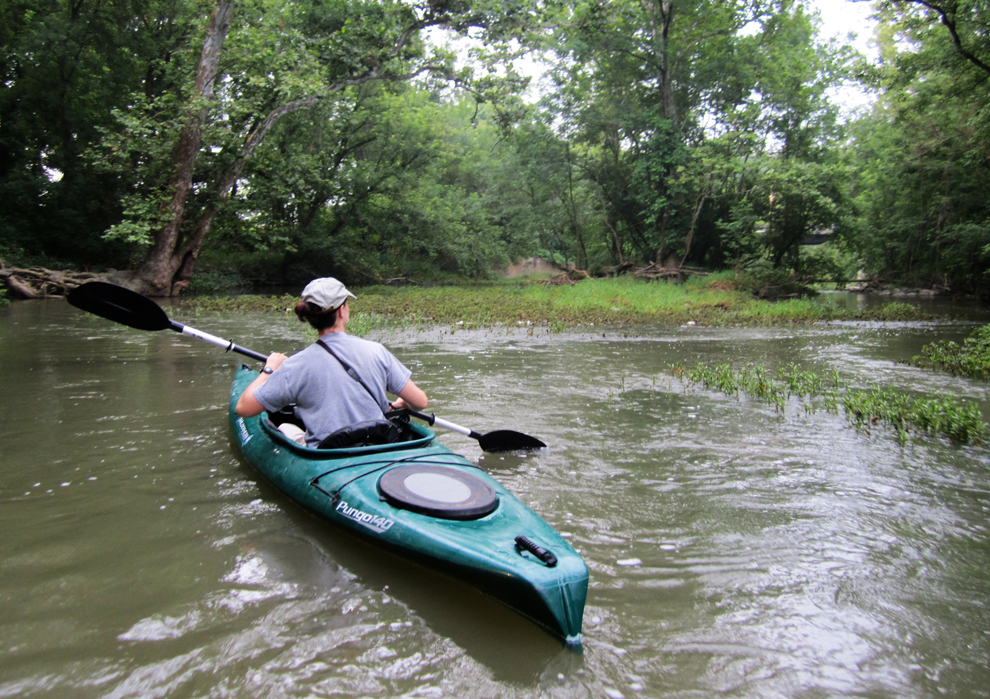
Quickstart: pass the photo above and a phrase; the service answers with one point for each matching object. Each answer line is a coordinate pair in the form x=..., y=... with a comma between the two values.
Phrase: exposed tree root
x=41, y=283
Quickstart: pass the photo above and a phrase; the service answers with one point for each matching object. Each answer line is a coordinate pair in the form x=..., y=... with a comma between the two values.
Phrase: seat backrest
x=363, y=434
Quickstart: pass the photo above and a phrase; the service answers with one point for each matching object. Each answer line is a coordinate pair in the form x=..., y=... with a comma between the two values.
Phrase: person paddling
x=337, y=382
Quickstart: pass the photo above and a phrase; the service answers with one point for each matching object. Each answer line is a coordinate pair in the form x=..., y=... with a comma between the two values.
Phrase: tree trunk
x=694, y=224
x=660, y=34
x=616, y=240
x=186, y=253
x=167, y=256
x=572, y=212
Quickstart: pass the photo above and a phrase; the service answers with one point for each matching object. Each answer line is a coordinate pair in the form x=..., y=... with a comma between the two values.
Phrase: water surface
x=733, y=550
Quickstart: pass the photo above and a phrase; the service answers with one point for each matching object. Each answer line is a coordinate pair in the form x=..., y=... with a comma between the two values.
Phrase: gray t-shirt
x=326, y=397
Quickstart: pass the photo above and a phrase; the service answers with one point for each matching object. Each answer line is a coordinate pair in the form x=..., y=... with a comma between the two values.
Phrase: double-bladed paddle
x=121, y=305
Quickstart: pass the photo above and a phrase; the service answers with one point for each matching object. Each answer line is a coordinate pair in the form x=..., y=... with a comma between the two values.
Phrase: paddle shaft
x=218, y=341
x=432, y=419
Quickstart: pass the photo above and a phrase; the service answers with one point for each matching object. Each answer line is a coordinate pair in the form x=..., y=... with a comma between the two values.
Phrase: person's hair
x=316, y=316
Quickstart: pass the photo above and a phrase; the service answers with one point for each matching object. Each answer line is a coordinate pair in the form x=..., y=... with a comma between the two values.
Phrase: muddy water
x=733, y=550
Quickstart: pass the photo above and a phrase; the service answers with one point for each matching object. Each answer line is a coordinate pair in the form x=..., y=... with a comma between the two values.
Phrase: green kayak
x=422, y=501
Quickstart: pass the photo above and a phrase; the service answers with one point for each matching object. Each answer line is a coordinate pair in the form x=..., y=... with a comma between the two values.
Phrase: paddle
x=130, y=308
x=499, y=440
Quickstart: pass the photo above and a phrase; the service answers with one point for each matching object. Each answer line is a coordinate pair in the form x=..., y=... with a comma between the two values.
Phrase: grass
x=935, y=414
x=609, y=302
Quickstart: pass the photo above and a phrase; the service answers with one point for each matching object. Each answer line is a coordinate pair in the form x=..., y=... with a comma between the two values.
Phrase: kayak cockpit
x=411, y=436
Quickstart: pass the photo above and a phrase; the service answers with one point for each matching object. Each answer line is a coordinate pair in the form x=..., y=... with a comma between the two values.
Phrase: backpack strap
x=350, y=372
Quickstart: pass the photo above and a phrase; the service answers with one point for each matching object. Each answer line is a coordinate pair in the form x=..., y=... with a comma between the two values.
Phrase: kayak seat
x=363, y=434
x=438, y=491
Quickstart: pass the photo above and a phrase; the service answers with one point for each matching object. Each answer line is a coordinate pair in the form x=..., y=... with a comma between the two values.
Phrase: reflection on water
x=732, y=549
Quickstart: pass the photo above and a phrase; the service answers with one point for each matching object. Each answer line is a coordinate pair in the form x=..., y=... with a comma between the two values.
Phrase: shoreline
x=610, y=303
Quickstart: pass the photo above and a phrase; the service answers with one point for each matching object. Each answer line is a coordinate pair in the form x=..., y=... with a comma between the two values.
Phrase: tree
x=64, y=66
x=644, y=86
x=966, y=23
x=922, y=152
x=269, y=62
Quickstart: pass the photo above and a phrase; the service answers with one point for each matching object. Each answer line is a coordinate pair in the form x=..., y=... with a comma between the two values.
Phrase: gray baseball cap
x=326, y=292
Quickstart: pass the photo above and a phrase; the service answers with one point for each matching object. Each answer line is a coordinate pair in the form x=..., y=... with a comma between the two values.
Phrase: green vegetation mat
x=600, y=302
x=945, y=416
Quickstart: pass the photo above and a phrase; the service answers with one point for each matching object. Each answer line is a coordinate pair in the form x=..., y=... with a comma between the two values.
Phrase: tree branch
x=950, y=23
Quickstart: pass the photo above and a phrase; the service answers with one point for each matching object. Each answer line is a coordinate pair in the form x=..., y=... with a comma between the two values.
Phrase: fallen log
x=41, y=283
x=571, y=276
x=655, y=271
x=617, y=270
x=401, y=281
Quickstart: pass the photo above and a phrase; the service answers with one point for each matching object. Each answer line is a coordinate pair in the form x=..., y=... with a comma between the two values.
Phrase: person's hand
x=275, y=360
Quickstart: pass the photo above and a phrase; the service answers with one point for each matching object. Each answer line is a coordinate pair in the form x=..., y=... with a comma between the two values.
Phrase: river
x=762, y=554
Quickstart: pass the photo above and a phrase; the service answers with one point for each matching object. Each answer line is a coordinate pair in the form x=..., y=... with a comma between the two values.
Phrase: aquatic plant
x=971, y=358
x=933, y=414
x=808, y=384
x=721, y=377
x=755, y=382
x=895, y=310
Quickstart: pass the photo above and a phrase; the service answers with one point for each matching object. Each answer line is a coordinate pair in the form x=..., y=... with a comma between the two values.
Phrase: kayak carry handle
x=544, y=555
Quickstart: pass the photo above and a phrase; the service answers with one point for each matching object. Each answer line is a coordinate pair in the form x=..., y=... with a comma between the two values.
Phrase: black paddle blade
x=119, y=305
x=508, y=440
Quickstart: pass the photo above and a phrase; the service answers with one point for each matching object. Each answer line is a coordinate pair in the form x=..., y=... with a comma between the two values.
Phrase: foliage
x=971, y=358
x=64, y=67
x=704, y=129
x=336, y=138
x=402, y=185
x=828, y=263
x=921, y=153
x=769, y=282
x=934, y=414
x=179, y=124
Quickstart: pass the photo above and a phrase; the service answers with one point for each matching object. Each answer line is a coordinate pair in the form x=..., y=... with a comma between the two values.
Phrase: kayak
x=426, y=503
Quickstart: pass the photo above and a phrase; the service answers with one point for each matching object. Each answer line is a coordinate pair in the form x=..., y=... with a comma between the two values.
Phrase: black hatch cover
x=438, y=491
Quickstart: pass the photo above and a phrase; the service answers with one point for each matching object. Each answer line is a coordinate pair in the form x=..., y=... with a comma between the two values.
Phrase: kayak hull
x=344, y=487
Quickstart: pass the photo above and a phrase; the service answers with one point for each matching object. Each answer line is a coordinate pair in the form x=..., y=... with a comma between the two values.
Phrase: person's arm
x=411, y=396
x=247, y=404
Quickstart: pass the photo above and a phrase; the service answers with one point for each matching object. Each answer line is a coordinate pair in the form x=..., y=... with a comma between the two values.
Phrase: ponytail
x=314, y=315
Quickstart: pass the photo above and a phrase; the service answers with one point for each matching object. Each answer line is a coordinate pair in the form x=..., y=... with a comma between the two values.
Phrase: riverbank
x=609, y=302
